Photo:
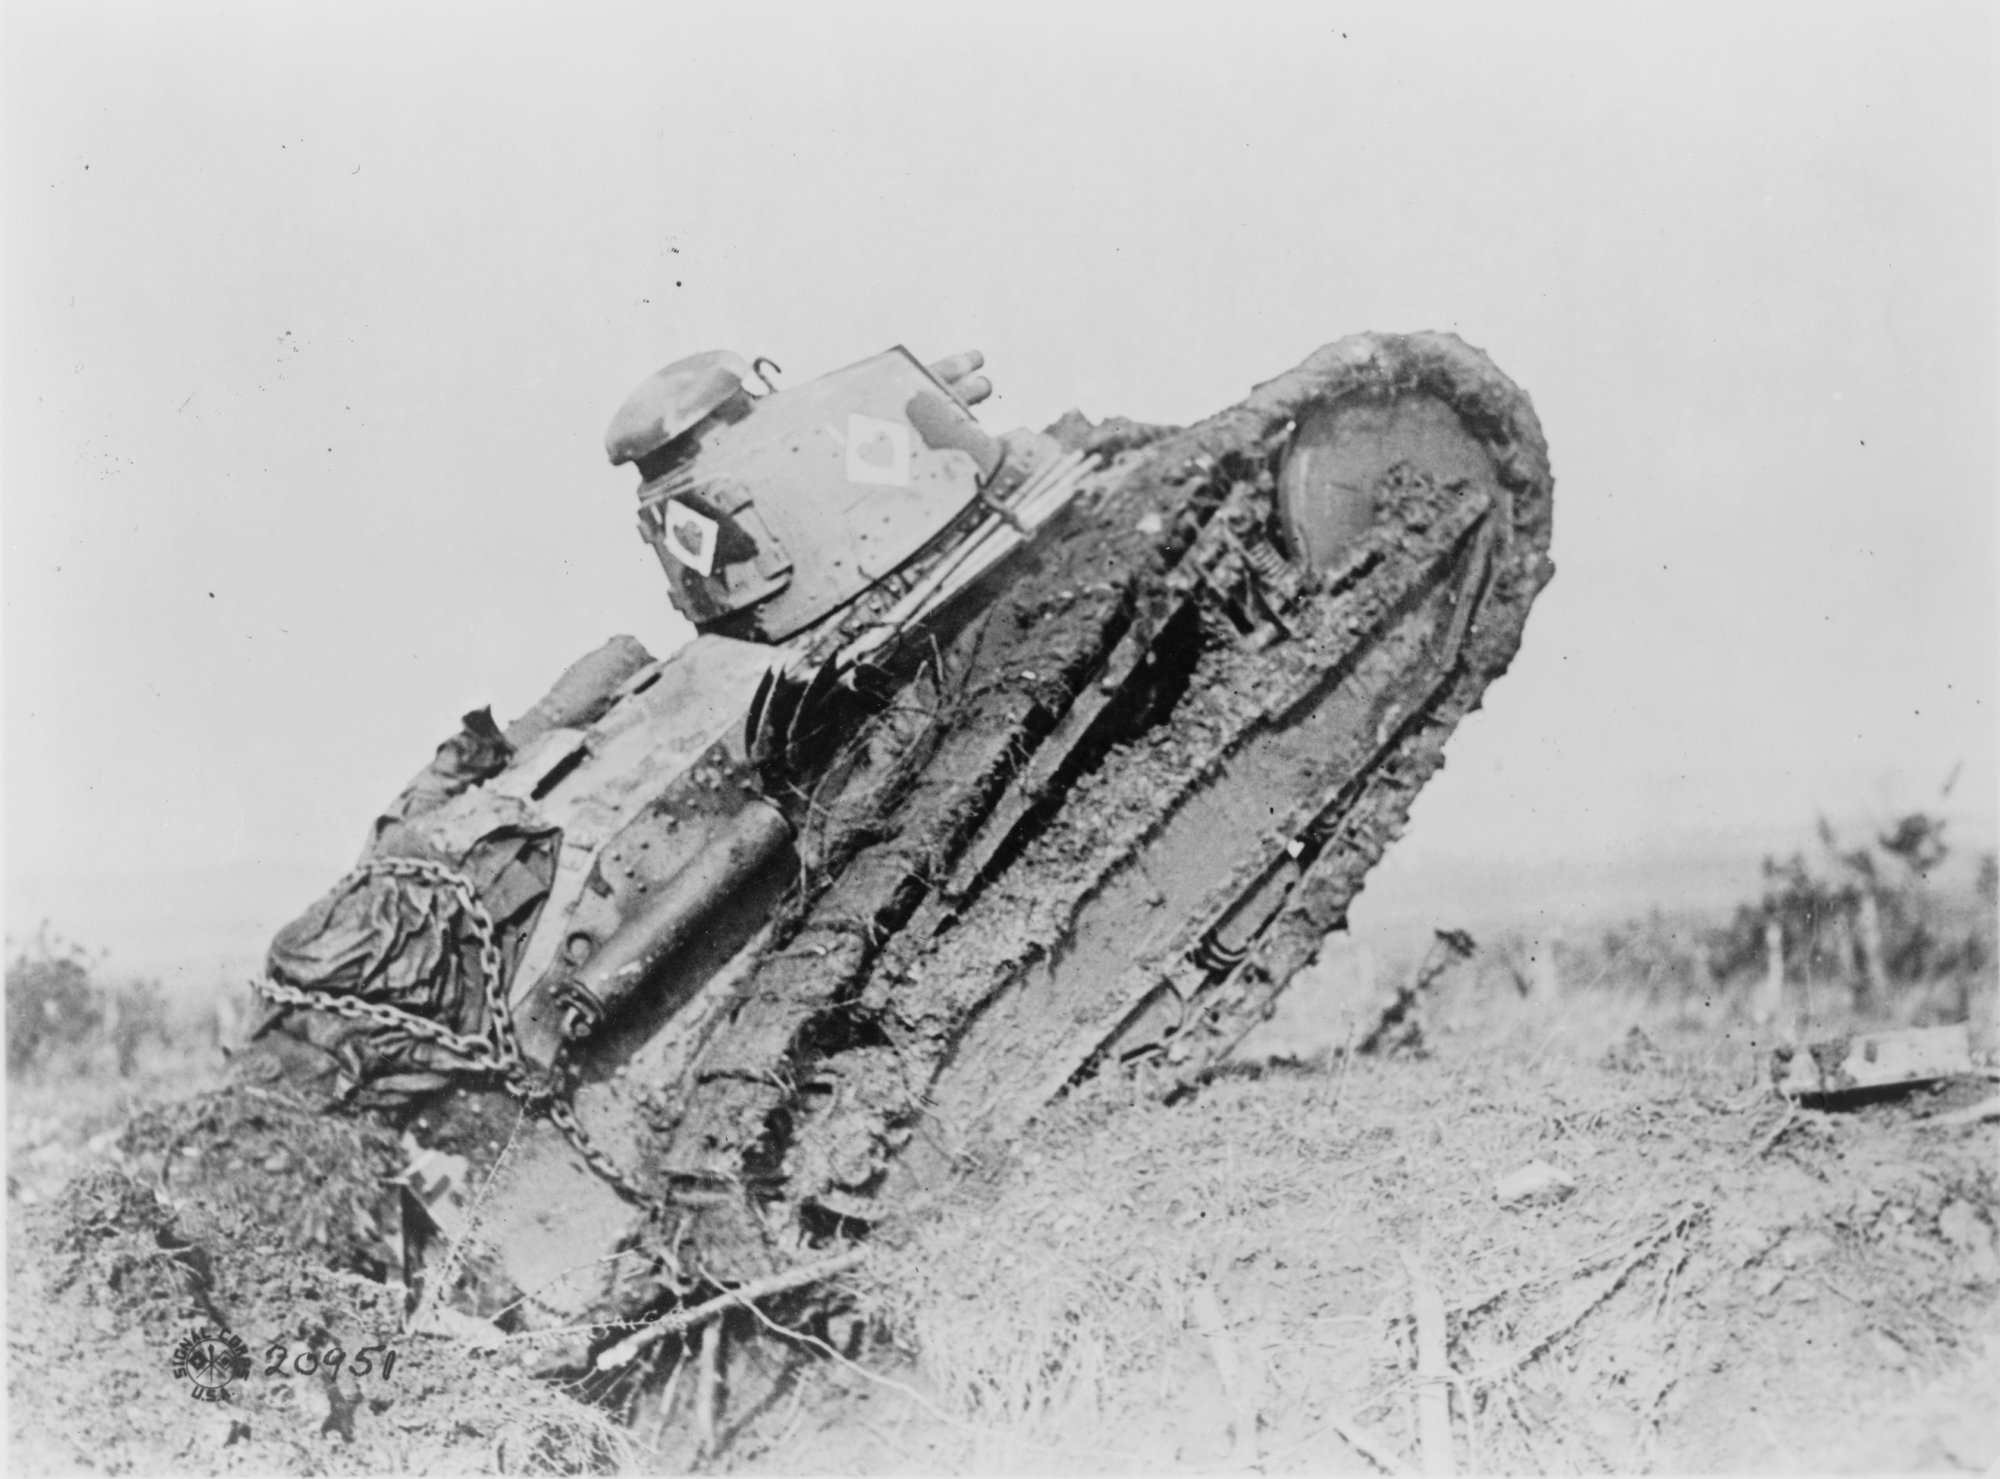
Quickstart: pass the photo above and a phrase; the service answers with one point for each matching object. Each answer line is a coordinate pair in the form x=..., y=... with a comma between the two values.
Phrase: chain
x=562, y=1114
x=497, y=1050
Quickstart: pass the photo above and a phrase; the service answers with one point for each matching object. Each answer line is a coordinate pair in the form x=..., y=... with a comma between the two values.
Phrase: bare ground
x=1732, y=1285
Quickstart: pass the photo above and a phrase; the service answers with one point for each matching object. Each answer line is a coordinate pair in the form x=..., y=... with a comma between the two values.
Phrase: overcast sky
x=314, y=317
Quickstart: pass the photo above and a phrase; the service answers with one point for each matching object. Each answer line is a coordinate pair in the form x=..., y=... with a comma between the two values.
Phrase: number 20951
x=305, y=1363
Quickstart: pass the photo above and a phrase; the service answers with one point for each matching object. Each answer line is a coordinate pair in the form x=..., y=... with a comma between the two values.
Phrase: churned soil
x=1729, y=1284
x=236, y=1210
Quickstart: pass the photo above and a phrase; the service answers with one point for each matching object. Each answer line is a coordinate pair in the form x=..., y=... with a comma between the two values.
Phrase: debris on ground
x=1537, y=1184
x=1972, y=1114
x=1836, y=1069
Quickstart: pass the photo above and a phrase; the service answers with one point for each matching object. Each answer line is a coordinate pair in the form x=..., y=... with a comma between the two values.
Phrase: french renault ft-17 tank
x=995, y=762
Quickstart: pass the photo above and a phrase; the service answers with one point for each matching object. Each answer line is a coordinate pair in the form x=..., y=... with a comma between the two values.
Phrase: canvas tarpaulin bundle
x=404, y=931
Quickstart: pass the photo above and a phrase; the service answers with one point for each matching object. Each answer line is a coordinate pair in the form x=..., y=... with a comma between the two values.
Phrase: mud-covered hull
x=1132, y=798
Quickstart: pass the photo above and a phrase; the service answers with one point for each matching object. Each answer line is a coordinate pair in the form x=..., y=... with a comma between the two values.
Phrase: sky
x=312, y=319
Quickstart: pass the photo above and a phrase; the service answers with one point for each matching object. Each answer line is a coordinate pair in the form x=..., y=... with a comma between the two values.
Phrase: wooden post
x=1868, y=929
x=1841, y=950
x=1771, y=994
x=1545, y=979
x=1703, y=976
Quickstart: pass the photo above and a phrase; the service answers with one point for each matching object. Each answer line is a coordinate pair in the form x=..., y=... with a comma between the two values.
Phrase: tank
x=995, y=763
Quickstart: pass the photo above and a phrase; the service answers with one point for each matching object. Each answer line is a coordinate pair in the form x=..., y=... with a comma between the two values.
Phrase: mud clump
x=248, y=1214
x=252, y=1167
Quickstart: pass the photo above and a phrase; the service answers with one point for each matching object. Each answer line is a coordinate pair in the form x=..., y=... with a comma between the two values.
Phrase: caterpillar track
x=1089, y=809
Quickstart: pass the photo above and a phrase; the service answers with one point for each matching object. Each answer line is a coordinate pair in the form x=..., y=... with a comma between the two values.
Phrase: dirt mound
x=1727, y=1284
x=244, y=1213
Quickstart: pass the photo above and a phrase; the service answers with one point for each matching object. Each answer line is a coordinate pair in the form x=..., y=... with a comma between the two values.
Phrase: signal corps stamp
x=209, y=1360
